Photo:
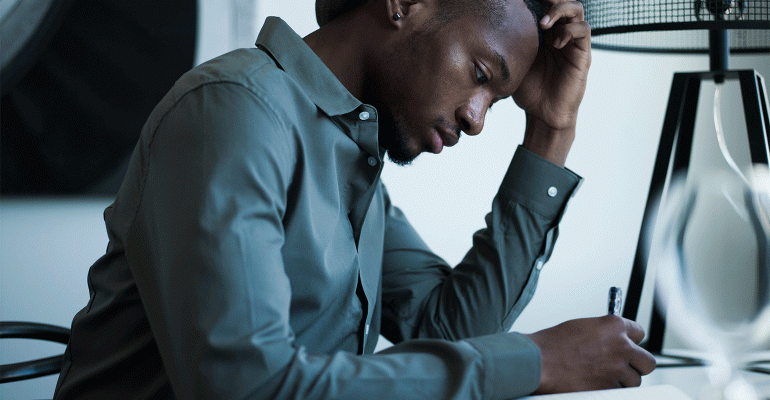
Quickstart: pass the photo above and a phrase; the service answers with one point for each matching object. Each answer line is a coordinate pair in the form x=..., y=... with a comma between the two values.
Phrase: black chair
x=34, y=368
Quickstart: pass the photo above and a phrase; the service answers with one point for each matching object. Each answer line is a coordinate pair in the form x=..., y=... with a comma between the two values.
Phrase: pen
x=615, y=301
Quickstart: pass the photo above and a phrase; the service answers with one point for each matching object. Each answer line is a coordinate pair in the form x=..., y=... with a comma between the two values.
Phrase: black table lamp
x=713, y=27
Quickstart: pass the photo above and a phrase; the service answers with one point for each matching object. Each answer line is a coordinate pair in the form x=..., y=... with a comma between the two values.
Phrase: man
x=255, y=254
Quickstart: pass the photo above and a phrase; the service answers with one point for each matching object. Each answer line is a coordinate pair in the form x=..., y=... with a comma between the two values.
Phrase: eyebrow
x=503, y=65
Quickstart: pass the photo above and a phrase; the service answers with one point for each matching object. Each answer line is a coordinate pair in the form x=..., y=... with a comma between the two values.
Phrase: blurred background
x=77, y=91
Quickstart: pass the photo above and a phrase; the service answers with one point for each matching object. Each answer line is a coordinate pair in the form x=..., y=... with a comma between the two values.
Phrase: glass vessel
x=712, y=260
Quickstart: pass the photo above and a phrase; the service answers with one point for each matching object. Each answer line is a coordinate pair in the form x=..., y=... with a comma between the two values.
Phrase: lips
x=441, y=137
x=448, y=137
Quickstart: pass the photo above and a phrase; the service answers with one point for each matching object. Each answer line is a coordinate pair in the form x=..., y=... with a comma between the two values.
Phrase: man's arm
x=553, y=89
x=594, y=353
x=422, y=297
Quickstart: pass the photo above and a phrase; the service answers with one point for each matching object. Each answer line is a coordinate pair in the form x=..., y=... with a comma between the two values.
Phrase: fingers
x=577, y=32
x=634, y=331
x=642, y=361
x=567, y=19
x=630, y=378
x=567, y=12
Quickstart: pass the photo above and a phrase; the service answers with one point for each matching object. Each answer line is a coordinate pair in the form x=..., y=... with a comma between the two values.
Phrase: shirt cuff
x=538, y=184
x=511, y=364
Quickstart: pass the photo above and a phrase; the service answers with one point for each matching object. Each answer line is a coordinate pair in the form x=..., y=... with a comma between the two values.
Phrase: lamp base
x=676, y=140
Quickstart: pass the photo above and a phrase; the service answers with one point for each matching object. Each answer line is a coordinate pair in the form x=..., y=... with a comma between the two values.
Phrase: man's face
x=440, y=79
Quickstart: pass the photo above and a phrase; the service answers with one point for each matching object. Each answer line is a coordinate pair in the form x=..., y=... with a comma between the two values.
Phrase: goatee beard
x=398, y=150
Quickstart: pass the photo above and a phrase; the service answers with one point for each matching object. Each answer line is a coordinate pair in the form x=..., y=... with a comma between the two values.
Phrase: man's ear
x=401, y=10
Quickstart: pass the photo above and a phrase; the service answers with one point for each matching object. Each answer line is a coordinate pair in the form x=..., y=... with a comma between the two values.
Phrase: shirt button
x=552, y=191
x=364, y=115
x=372, y=161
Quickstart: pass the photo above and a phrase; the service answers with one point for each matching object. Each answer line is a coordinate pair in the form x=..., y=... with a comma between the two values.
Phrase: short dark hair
x=493, y=11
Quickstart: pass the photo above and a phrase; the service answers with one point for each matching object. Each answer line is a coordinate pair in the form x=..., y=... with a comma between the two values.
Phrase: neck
x=347, y=45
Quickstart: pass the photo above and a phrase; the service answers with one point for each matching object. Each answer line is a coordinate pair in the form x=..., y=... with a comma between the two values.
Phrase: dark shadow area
x=75, y=97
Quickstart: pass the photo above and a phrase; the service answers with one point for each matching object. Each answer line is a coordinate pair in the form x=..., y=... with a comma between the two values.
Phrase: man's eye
x=480, y=77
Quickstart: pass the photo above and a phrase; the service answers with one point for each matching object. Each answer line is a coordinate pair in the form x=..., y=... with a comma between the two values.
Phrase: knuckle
x=560, y=6
x=651, y=364
x=635, y=380
x=613, y=320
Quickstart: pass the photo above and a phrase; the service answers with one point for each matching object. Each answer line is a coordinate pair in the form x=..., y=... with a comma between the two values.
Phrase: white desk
x=690, y=380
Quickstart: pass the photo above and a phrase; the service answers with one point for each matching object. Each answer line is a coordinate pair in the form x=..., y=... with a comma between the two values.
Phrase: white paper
x=667, y=392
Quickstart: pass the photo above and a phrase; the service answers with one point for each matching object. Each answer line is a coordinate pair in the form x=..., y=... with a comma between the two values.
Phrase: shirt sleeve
x=483, y=295
x=205, y=251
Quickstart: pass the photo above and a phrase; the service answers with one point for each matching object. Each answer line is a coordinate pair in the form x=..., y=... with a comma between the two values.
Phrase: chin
x=401, y=150
x=398, y=160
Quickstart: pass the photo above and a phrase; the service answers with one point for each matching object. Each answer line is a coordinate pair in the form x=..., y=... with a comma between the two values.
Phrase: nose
x=471, y=115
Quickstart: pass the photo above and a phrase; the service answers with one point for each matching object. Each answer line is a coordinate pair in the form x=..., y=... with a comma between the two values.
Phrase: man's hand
x=552, y=90
x=591, y=354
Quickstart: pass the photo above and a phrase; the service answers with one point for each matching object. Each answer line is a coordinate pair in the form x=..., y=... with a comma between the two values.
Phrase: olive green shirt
x=255, y=254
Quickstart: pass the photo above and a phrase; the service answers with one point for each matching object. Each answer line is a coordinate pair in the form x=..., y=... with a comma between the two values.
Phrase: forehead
x=511, y=36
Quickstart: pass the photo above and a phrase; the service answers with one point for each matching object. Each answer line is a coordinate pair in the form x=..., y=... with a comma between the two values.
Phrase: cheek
x=447, y=72
x=441, y=80
x=456, y=62
x=428, y=85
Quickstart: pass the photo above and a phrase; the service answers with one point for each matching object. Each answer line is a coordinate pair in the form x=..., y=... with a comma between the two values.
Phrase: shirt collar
x=299, y=61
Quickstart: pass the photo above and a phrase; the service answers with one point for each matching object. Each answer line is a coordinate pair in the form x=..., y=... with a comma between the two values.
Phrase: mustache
x=442, y=123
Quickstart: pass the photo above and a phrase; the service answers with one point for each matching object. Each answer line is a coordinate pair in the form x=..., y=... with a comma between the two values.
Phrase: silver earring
x=396, y=17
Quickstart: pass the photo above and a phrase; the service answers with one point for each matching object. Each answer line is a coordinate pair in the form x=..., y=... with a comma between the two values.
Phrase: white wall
x=47, y=245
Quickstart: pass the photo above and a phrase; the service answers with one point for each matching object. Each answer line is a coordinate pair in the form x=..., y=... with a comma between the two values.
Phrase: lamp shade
x=678, y=26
